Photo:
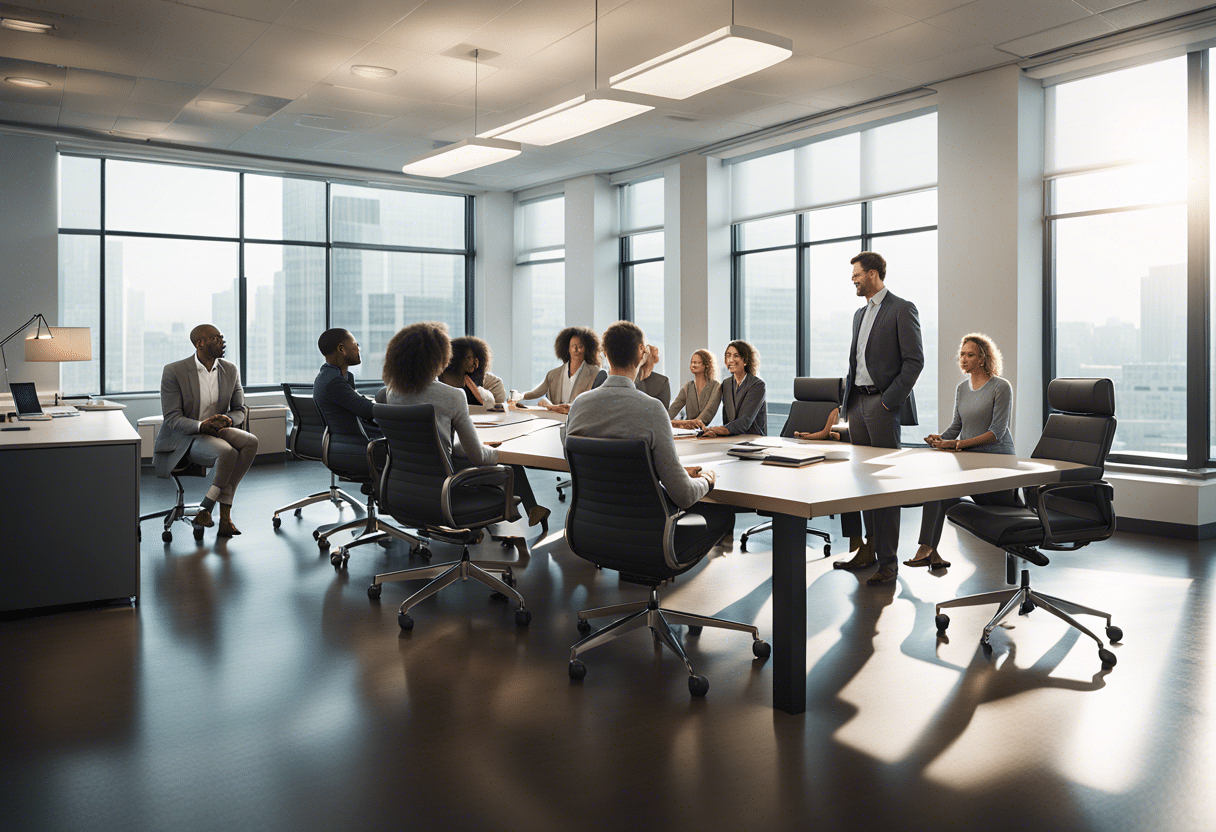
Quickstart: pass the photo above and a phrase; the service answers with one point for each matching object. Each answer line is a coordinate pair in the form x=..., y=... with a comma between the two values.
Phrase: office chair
x=419, y=488
x=814, y=401
x=621, y=518
x=1060, y=517
x=307, y=435
x=181, y=510
x=352, y=458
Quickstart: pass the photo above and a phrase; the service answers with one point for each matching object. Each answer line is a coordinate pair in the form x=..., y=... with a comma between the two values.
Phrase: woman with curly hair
x=578, y=348
x=413, y=361
x=744, y=398
x=982, y=404
x=699, y=399
x=469, y=369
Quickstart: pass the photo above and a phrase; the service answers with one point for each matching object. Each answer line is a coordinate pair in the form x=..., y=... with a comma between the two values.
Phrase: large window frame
x=1199, y=365
x=328, y=245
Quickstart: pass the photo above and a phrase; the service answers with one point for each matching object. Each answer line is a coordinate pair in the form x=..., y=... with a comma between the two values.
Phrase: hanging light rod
x=720, y=57
x=576, y=117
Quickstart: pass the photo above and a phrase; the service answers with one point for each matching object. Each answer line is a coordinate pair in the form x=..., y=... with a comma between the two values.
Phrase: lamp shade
x=67, y=343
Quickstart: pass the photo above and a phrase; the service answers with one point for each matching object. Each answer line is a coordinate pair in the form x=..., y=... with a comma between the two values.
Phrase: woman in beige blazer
x=699, y=399
x=578, y=348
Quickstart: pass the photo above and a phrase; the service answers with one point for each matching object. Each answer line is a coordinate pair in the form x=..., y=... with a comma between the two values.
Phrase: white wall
x=494, y=294
x=29, y=277
x=592, y=255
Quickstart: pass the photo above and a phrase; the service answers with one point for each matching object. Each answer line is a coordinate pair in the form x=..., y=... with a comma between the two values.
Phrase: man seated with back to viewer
x=202, y=402
x=618, y=410
x=344, y=410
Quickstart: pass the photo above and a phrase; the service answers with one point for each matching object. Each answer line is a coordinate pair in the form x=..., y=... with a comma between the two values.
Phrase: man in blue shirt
x=345, y=411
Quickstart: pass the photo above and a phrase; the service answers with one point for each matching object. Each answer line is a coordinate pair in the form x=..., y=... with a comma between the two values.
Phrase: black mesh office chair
x=621, y=518
x=419, y=488
x=351, y=458
x=1060, y=517
x=814, y=401
x=307, y=435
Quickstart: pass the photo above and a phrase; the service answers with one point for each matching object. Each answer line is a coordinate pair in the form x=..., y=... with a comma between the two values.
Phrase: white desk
x=71, y=511
x=870, y=478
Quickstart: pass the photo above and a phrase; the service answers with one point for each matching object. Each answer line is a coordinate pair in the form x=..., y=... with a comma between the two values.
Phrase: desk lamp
x=52, y=343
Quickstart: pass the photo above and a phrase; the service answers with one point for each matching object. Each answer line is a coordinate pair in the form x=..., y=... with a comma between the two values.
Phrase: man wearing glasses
x=202, y=403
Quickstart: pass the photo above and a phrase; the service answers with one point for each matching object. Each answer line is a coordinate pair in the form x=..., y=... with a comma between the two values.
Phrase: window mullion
x=1198, y=373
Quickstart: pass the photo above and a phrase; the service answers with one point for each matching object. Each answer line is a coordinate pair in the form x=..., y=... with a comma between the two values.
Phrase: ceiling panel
x=147, y=127
x=999, y=21
x=85, y=120
x=776, y=114
x=143, y=14
x=179, y=132
x=163, y=113
x=909, y=45
x=181, y=70
x=863, y=89
x=438, y=78
x=530, y=26
x=1147, y=11
x=99, y=105
x=205, y=37
x=287, y=62
x=164, y=92
x=358, y=19
x=103, y=84
x=922, y=9
x=1070, y=33
x=438, y=24
x=956, y=63
x=511, y=88
x=107, y=47
x=327, y=96
x=377, y=54
x=267, y=11
x=805, y=76
x=825, y=25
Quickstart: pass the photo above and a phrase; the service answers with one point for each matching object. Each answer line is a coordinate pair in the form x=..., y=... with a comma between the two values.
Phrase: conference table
x=853, y=478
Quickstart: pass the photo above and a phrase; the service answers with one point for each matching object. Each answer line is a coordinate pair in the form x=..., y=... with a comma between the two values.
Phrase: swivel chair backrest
x=620, y=517
x=412, y=483
x=346, y=454
x=814, y=401
x=1084, y=428
x=307, y=425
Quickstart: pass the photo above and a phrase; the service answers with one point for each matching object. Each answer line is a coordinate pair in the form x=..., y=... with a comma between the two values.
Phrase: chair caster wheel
x=404, y=621
x=508, y=578
x=276, y=521
x=761, y=649
x=743, y=544
x=167, y=537
x=584, y=627
x=198, y=532
x=1108, y=658
x=374, y=591
x=694, y=629
x=942, y=621
x=316, y=535
x=698, y=685
x=422, y=552
x=339, y=557
x=523, y=617
x=561, y=496
x=1114, y=634
x=299, y=512
x=497, y=596
x=986, y=646
x=827, y=550
x=323, y=542
x=1027, y=608
x=577, y=670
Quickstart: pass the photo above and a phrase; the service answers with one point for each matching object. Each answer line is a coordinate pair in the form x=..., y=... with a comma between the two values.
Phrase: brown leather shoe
x=203, y=518
x=227, y=529
x=863, y=559
x=884, y=575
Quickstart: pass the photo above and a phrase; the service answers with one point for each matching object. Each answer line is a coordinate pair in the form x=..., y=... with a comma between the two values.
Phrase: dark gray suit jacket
x=894, y=356
x=179, y=404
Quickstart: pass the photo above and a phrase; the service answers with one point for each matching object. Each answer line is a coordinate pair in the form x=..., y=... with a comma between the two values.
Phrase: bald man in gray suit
x=885, y=360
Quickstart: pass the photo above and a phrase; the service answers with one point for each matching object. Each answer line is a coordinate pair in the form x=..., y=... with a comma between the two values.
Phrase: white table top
x=866, y=478
x=105, y=427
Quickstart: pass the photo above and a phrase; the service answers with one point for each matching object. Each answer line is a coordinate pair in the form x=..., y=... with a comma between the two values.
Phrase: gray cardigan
x=703, y=405
x=618, y=410
x=452, y=416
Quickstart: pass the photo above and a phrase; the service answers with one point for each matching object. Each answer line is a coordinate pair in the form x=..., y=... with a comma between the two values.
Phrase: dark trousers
x=933, y=513
x=872, y=424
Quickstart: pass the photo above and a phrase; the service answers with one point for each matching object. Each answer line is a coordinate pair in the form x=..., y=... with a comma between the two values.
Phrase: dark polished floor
x=255, y=687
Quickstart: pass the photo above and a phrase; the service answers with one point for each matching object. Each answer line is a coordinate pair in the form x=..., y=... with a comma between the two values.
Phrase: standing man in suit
x=885, y=360
x=202, y=402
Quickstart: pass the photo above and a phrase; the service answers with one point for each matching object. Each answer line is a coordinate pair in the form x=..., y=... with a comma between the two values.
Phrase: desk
x=70, y=513
x=866, y=478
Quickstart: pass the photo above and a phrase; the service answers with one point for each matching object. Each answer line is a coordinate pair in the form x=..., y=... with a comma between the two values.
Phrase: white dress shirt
x=208, y=389
x=863, y=378
x=568, y=381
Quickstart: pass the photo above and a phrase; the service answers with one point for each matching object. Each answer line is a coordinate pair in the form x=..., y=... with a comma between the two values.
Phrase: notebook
x=793, y=457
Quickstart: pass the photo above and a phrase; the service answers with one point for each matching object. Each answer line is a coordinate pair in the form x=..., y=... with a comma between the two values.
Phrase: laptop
x=25, y=397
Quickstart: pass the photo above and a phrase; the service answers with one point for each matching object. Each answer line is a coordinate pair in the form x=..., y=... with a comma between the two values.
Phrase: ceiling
x=139, y=68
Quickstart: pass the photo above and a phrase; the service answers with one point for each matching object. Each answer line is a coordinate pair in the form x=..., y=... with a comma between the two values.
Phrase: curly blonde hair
x=711, y=366
x=990, y=354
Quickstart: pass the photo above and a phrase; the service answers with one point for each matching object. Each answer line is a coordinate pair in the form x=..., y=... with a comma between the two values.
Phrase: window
x=541, y=265
x=800, y=216
x=171, y=246
x=1121, y=263
x=641, y=258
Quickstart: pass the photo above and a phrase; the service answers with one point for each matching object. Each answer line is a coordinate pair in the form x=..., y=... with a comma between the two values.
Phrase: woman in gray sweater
x=699, y=399
x=982, y=404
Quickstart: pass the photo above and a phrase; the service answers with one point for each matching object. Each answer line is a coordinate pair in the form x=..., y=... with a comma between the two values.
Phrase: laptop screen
x=25, y=397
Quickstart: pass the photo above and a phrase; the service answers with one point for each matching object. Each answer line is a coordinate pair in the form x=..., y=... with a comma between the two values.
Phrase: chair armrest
x=1104, y=495
x=377, y=463
x=498, y=475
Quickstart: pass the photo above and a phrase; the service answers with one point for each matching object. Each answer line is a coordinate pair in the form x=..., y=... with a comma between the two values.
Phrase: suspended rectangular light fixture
x=464, y=155
x=576, y=117
x=716, y=59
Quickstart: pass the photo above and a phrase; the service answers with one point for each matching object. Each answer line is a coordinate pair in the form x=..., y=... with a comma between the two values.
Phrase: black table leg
x=789, y=613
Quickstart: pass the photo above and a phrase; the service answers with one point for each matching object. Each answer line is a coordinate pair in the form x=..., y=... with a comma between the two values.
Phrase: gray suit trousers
x=230, y=454
x=872, y=424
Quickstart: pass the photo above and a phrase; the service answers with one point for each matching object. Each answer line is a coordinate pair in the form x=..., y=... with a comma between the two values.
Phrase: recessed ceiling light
x=26, y=26
x=28, y=82
x=367, y=71
x=220, y=106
